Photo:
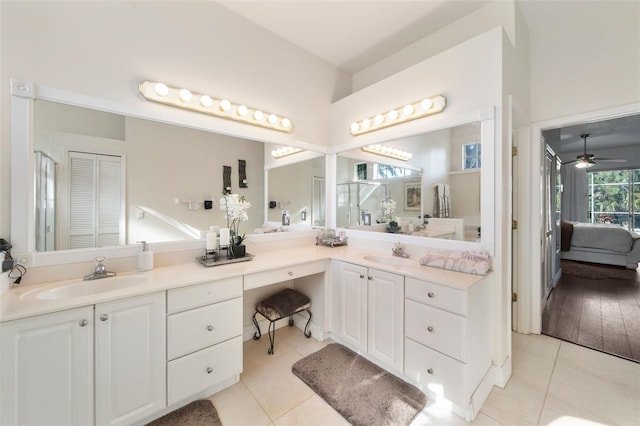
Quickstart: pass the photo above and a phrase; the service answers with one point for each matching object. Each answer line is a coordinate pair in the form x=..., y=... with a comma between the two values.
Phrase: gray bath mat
x=359, y=390
x=198, y=413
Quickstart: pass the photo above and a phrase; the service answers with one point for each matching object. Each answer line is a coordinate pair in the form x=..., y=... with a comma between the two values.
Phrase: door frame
x=533, y=323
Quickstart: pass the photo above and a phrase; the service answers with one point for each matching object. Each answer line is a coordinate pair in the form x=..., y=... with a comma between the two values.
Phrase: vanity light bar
x=184, y=98
x=284, y=151
x=388, y=152
x=423, y=108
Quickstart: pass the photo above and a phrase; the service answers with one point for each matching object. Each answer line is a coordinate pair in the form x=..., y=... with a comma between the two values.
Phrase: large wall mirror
x=107, y=180
x=435, y=193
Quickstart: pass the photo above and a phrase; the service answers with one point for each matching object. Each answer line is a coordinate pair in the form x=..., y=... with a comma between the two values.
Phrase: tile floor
x=553, y=383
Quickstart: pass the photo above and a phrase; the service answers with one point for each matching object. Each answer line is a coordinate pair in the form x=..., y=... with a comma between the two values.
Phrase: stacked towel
x=442, y=207
x=469, y=262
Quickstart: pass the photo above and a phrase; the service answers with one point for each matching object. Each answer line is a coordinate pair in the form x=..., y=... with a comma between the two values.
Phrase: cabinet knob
x=104, y=317
x=361, y=275
x=210, y=327
x=431, y=295
x=369, y=277
x=209, y=370
x=290, y=273
x=430, y=371
x=430, y=329
x=83, y=323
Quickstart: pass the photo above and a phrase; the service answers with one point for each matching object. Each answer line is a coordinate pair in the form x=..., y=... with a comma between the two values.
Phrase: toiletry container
x=145, y=258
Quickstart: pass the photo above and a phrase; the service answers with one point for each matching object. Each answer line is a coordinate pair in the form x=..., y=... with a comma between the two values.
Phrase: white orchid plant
x=235, y=209
x=386, y=208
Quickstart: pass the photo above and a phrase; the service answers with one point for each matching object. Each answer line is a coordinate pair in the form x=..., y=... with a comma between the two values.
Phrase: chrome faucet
x=100, y=271
x=398, y=250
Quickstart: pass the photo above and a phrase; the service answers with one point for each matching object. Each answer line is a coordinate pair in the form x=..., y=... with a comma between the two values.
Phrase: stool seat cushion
x=284, y=303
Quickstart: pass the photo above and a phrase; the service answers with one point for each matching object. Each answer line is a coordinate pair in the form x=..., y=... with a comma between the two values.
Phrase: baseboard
x=501, y=375
x=480, y=395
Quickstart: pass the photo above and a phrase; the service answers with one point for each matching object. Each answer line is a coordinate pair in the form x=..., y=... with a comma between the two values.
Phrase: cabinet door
x=130, y=359
x=47, y=369
x=352, y=318
x=386, y=313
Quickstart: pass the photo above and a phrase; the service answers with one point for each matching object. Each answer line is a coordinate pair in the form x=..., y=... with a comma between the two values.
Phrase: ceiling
x=355, y=34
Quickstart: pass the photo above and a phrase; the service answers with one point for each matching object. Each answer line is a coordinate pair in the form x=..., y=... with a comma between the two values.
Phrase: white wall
x=586, y=60
x=106, y=49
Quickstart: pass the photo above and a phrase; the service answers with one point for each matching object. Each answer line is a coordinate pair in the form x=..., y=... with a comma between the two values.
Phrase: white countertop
x=20, y=301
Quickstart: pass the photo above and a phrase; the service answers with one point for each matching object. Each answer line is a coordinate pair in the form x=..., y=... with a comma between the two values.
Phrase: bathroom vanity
x=174, y=334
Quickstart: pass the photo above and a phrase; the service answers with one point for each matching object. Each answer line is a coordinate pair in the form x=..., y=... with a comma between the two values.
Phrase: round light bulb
x=258, y=115
x=393, y=115
x=407, y=110
x=426, y=104
x=355, y=127
x=206, y=101
x=286, y=123
x=243, y=110
x=379, y=119
x=366, y=123
x=225, y=105
x=161, y=89
x=274, y=153
x=273, y=119
x=185, y=95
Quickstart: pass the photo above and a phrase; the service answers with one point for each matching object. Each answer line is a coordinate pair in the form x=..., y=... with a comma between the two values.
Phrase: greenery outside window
x=614, y=197
x=471, y=156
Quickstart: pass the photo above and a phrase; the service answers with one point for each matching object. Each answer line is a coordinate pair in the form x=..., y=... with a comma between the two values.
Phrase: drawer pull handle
x=210, y=327
x=431, y=295
x=104, y=317
x=369, y=277
x=430, y=371
x=430, y=329
x=209, y=370
x=361, y=275
x=83, y=323
x=290, y=273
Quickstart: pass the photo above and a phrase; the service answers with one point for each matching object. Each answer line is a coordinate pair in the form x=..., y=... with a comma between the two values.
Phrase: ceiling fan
x=589, y=160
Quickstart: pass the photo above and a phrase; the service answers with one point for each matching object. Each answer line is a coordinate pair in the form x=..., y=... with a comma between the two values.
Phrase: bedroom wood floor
x=603, y=314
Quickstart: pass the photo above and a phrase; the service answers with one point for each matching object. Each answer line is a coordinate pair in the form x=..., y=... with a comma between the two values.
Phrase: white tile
x=275, y=387
x=255, y=352
x=312, y=412
x=559, y=412
x=440, y=414
x=618, y=403
x=312, y=346
x=236, y=406
x=516, y=404
x=292, y=336
x=536, y=344
x=532, y=369
x=601, y=365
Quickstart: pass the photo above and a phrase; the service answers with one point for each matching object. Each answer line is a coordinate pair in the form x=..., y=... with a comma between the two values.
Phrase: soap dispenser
x=145, y=258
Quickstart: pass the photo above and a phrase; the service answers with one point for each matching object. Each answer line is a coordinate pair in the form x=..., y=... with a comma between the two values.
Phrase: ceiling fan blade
x=611, y=160
x=570, y=162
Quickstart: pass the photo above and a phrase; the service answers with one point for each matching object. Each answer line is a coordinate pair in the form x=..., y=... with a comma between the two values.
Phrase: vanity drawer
x=198, y=328
x=193, y=373
x=434, y=372
x=185, y=298
x=279, y=275
x=447, y=298
x=438, y=329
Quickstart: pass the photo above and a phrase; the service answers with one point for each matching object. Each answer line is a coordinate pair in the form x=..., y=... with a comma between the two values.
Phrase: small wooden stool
x=283, y=304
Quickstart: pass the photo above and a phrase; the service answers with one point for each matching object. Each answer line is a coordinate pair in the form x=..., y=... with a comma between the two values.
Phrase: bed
x=599, y=243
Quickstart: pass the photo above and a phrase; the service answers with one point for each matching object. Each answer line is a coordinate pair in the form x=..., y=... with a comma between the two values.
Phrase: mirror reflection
x=105, y=179
x=296, y=194
x=435, y=193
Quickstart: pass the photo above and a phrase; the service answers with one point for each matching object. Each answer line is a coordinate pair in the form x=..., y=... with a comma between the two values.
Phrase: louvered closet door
x=95, y=200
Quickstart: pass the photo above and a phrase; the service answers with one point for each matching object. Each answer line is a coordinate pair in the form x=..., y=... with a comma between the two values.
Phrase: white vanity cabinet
x=447, y=340
x=204, y=332
x=47, y=369
x=130, y=360
x=369, y=313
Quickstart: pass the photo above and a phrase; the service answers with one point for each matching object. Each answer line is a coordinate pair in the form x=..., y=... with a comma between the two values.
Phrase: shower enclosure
x=358, y=198
x=45, y=201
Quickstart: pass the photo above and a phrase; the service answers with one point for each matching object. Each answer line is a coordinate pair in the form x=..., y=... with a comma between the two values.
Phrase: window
x=384, y=171
x=615, y=198
x=471, y=156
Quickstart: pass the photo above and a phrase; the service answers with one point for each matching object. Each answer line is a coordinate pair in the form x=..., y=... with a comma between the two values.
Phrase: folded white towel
x=469, y=262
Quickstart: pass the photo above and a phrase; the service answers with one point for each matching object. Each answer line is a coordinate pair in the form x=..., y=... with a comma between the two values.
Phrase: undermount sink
x=85, y=288
x=388, y=259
